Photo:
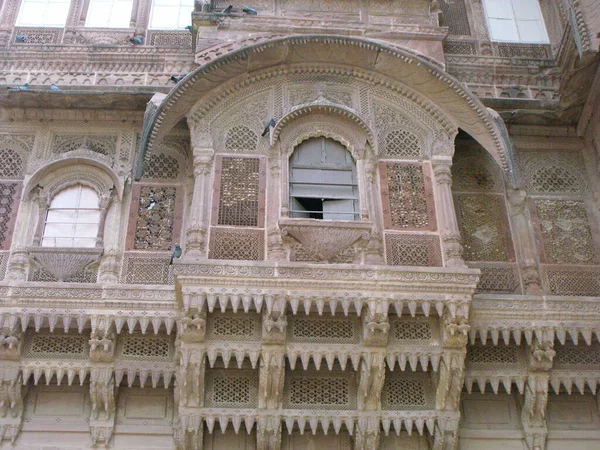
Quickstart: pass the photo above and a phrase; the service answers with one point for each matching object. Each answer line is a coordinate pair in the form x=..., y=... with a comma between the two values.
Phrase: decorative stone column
x=8, y=17
x=446, y=214
x=274, y=191
x=196, y=232
x=540, y=356
x=524, y=241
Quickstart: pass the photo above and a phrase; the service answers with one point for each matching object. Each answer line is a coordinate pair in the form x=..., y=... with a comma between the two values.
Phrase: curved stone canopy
x=396, y=68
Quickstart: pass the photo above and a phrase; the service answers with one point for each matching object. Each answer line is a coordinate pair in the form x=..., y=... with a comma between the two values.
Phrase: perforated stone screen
x=412, y=330
x=413, y=250
x=406, y=391
x=564, y=227
x=319, y=390
x=321, y=329
x=240, y=188
x=495, y=357
x=240, y=139
x=498, y=278
x=231, y=388
x=46, y=345
x=401, y=144
x=161, y=167
x=147, y=268
x=484, y=228
x=145, y=347
x=234, y=327
x=12, y=163
x=454, y=16
x=407, y=196
x=157, y=217
x=577, y=357
x=10, y=193
x=572, y=280
x=236, y=243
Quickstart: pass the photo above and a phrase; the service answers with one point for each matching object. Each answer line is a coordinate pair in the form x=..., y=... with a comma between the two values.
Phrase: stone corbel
x=12, y=393
x=192, y=328
x=186, y=438
x=268, y=433
x=445, y=436
x=371, y=378
x=375, y=328
x=451, y=380
x=367, y=433
x=10, y=345
x=270, y=383
x=103, y=398
x=190, y=379
x=274, y=327
x=102, y=346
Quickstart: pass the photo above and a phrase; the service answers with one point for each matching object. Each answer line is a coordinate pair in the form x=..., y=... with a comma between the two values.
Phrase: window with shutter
x=323, y=182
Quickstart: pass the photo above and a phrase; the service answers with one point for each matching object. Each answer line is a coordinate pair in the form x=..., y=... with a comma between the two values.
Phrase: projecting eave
x=393, y=67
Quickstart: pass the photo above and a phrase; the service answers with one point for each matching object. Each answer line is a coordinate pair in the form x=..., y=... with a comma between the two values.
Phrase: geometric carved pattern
x=575, y=357
x=320, y=390
x=454, y=16
x=86, y=275
x=406, y=198
x=498, y=278
x=3, y=263
x=553, y=173
x=147, y=268
x=413, y=250
x=238, y=244
x=161, y=167
x=233, y=327
x=45, y=345
x=572, y=280
x=240, y=139
x=143, y=347
x=401, y=143
x=8, y=192
x=495, y=357
x=407, y=391
x=155, y=218
x=239, y=192
x=474, y=171
x=565, y=231
x=12, y=163
x=105, y=145
x=323, y=330
x=483, y=227
x=411, y=330
x=231, y=388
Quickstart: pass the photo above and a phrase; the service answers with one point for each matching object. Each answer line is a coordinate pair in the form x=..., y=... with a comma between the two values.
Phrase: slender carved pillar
x=274, y=187
x=524, y=241
x=540, y=356
x=446, y=213
x=455, y=331
x=196, y=232
x=374, y=250
x=271, y=378
x=375, y=327
x=8, y=17
x=12, y=391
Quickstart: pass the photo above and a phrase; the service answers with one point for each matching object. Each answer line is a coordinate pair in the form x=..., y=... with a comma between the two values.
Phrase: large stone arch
x=413, y=76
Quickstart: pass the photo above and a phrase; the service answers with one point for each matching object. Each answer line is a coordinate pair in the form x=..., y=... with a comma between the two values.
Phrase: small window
x=515, y=21
x=109, y=14
x=43, y=13
x=171, y=14
x=73, y=218
x=323, y=182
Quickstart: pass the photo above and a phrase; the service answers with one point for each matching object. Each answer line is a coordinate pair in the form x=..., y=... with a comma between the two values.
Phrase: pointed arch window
x=323, y=181
x=73, y=218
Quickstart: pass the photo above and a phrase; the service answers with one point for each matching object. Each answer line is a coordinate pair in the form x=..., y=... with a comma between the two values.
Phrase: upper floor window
x=323, y=182
x=43, y=13
x=109, y=14
x=515, y=21
x=171, y=14
x=73, y=218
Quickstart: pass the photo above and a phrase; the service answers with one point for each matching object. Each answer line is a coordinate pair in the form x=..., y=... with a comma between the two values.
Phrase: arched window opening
x=323, y=181
x=73, y=218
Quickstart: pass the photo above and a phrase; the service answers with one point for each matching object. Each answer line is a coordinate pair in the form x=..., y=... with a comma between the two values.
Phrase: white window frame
x=73, y=241
x=114, y=21
x=45, y=5
x=513, y=21
x=179, y=26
